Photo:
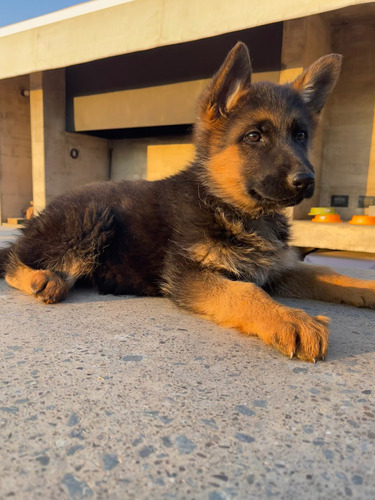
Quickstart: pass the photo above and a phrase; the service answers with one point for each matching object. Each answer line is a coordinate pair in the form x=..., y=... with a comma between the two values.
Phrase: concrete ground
x=131, y=398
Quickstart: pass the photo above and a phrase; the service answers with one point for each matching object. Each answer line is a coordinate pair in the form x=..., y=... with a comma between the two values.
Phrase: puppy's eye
x=253, y=137
x=300, y=136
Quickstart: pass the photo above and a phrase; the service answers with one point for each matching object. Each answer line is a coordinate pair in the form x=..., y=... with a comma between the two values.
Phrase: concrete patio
x=131, y=398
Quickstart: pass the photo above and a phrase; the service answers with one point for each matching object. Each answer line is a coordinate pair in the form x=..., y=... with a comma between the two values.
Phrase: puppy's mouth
x=281, y=202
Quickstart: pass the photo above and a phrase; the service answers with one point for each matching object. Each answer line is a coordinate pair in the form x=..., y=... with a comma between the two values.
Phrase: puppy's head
x=253, y=139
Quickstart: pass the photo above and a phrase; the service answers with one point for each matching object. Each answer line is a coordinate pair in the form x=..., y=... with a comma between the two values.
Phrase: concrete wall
x=54, y=170
x=15, y=148
x=304, y=41
x=139, y=25
x=349, y=146
x=131, y=158
x=344, y=156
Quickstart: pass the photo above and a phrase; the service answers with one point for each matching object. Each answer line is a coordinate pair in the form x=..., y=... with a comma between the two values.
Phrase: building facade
x=108, y=90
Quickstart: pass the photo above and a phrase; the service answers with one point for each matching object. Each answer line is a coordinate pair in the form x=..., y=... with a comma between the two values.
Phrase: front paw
x=298, y=334
x=48, y=287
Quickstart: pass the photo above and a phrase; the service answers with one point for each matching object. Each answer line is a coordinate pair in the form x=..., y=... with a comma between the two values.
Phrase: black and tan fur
x=213, y=238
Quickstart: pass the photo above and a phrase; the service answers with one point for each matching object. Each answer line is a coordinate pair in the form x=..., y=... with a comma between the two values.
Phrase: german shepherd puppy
x=213, y=237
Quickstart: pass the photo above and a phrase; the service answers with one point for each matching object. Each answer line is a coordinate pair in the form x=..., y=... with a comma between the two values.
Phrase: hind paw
x=48, y=287
x=365, y=297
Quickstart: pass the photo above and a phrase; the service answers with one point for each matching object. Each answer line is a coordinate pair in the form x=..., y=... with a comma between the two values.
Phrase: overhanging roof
x=105, y=28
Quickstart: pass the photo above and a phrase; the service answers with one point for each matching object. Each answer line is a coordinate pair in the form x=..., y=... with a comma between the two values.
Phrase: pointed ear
x=317, y=81
x=230, y=84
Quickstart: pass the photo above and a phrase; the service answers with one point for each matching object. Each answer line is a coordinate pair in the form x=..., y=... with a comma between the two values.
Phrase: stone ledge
x=333, y=236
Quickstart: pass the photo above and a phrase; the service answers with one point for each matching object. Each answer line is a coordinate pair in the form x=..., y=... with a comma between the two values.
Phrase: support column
x=15, y=148
x=304, y=41
x=55, y=169
x=37, y=141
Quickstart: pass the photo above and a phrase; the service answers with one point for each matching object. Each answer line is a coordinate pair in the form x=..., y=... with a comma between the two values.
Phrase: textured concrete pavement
x=131, y=398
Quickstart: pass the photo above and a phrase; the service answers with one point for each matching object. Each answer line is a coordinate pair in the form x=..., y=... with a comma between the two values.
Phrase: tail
x=4, y=257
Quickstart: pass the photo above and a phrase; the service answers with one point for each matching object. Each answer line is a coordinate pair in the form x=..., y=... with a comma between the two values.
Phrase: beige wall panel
x=166, y=160
x=141, y=25
x=116, y=30
x=162, y=105
x=214, y=17
x=173, y=104
x=129, y=156
x=270, y=76
x=15, y=148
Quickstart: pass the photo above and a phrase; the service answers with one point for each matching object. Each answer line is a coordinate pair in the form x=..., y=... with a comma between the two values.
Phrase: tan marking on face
x=227, y=180
x=264, y=115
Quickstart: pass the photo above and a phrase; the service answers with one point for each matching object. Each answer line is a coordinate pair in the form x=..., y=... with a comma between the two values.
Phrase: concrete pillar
x=304, y=41
x=15, y=148
x=349, y=153
x=54, y=169
x=37, y=141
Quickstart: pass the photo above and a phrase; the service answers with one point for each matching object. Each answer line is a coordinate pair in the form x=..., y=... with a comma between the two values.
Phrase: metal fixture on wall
x=74, y=153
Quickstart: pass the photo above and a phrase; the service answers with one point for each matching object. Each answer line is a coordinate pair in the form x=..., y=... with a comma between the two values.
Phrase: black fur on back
x=132, y=237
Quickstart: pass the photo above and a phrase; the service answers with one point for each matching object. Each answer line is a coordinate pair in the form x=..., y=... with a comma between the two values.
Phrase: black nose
x=303, y=180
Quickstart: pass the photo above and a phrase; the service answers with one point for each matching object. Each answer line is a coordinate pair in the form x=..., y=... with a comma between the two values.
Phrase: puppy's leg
x=248, y=308
x=48, y=286
x=321, y=283
x=52, y=254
